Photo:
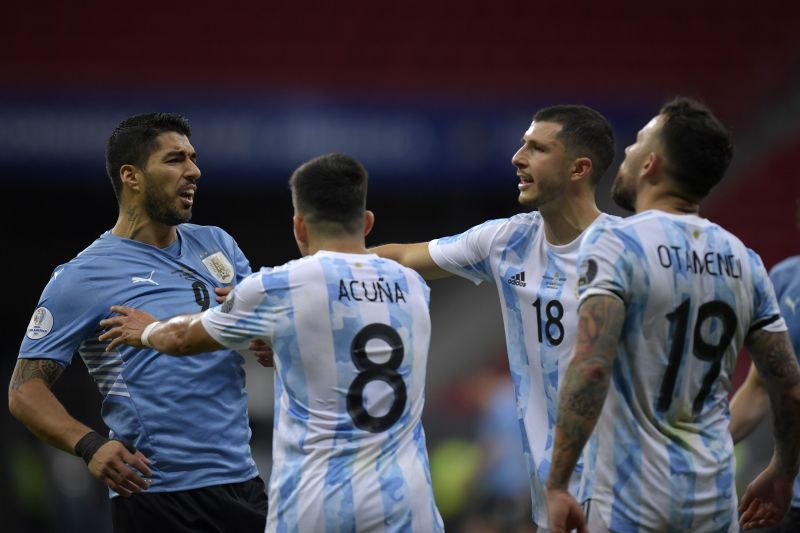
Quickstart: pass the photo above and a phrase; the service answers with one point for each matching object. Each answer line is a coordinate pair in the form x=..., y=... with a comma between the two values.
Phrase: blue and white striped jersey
x=692, y=292
x=350, y=334
x=785, y=278
x=537, y=284
x=188, y=415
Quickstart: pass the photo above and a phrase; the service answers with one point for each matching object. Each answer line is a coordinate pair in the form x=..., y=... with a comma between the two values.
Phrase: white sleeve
x=468, y=254
x=603, y=265
x=241, y=317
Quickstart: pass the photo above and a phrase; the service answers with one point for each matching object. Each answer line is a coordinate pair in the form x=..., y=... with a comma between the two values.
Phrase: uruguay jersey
x=350, y=334
x=188, y=415
x=785, y=278
x=692, y=293
x=537, y=284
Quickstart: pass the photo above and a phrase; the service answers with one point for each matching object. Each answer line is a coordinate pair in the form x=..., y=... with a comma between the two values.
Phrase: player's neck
x=564, y=221
x=135, y=225
x=344, y=245
x=667, y=201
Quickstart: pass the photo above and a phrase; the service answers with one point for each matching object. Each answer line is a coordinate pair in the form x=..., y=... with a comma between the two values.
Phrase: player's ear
x=652, y=165
x=300, y=229
x=581, y=168
x=130, y=176
x=369, y=221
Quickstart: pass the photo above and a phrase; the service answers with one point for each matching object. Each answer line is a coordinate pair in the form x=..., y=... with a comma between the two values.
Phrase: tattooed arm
x=585, y=384
x=581, y=399
x=31, y=401
x=777, y=366
x=768, y=497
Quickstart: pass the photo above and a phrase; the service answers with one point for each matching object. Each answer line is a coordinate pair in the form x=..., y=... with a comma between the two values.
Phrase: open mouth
x=187, y=197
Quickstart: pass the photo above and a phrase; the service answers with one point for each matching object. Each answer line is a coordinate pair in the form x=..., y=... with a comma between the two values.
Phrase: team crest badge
x=41, y=323
x=587, y=272
x=219, y=266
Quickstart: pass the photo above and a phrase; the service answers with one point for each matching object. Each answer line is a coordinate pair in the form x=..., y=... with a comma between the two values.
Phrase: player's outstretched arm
x=749, y=406
x=180, y=335
x=581, y=399
x=414, y=256
x=32, y=402
x=767, y=499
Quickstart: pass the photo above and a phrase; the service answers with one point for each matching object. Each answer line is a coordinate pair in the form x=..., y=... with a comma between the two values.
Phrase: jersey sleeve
x=766, y=313
x=241, y=263
x=67, y=313
x=467, y=254
x=242, y=317
x=604, y=265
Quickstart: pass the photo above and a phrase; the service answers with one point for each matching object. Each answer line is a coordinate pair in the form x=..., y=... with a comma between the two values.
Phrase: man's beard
x=161, y=208
x=547, y=192
x=622, y=196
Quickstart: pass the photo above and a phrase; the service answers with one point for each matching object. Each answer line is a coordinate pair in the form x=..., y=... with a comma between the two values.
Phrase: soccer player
x=350, y=334
x=751, y=402
x=531, y=259
x=667, y=301
x=178, y=454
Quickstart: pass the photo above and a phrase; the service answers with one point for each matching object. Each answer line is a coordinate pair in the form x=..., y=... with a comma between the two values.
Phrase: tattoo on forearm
x=585, y=385
x=27, y=369
x=774, y=358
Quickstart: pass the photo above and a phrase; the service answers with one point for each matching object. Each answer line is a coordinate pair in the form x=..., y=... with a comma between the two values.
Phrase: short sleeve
x=468, y=254
x=67, y=313
x=603, y=264
x=241, y=263
x=242, y=317
x=766, y=313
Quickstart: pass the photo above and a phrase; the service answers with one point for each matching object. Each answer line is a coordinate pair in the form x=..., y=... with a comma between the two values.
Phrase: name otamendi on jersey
x=688, y=260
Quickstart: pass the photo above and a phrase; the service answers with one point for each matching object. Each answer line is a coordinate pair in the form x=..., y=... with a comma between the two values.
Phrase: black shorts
x=236, y=507
x=790, y=523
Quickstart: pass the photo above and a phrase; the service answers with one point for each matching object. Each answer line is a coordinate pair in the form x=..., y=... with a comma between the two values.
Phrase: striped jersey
x=537, y=285
x=785, y=278
x=350, y=334
x=188, y=415
x=692, y=292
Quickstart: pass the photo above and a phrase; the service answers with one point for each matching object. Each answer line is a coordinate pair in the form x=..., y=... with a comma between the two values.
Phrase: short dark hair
x=585, y=133
x=698, y=148
x=330, y=191
x=132, y=142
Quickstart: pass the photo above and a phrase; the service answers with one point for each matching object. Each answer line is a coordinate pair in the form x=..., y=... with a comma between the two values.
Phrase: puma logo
x=148, y=279
x=791, y=303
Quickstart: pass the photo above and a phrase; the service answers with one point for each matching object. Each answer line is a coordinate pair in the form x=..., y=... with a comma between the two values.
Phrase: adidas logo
x=517, y=279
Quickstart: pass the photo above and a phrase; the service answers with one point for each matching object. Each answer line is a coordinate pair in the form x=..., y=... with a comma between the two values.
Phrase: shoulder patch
x=586, y=272
x=219, y=266
x=41, y=323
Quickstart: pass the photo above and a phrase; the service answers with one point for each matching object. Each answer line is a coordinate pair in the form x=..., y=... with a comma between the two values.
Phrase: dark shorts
x=790, y=524
x=236, y=507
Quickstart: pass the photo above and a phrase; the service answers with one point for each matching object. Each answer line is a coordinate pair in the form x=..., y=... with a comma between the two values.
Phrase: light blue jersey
x=785, y=277
x=537, y=285
x=188, y=415
x=692, y=293
x=350, y=334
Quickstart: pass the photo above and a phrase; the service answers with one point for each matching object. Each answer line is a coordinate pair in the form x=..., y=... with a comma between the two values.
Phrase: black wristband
x=92, y=441
x=89, y=444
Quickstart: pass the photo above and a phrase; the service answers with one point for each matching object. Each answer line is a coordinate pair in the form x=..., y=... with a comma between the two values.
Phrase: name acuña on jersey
x=372, y=291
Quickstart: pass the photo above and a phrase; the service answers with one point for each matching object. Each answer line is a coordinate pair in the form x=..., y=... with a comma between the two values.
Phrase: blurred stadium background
x=433, y=97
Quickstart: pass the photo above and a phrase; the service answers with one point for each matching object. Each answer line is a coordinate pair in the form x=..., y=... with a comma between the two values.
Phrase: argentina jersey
x=537, y=284
x=785, y=278
x=692, y=292
x=188, y=415
x=350, y=336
